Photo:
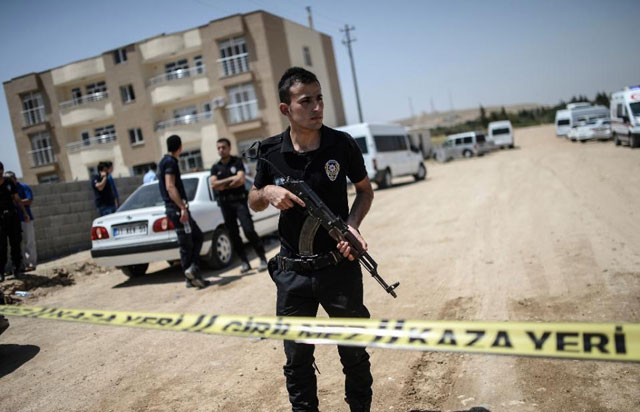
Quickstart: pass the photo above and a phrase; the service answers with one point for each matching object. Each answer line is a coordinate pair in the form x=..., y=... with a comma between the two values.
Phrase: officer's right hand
x=184, y=215
x=281, y=198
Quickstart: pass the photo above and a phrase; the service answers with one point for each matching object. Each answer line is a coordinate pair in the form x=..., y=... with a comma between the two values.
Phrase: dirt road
x=547, y=231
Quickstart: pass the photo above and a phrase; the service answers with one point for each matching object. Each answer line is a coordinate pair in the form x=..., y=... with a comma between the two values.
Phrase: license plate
x=134, y=229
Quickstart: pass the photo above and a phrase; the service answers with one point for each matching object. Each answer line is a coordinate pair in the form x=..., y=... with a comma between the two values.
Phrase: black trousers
x=10, y=228
x=238, y=210
x=339, y=290
x=190, y=243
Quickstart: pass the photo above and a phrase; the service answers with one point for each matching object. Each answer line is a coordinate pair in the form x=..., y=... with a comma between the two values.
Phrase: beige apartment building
x=216, y=80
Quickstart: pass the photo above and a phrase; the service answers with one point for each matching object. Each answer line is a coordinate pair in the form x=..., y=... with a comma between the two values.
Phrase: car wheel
x=510, y=146
x=385, y=181
x=633, y=141
x=134, y=271
x=422, y=172
x=467, y=153
x=616, y=140
x=221, y=252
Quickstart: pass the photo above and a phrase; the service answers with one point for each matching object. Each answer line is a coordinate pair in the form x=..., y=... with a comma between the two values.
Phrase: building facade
x=216, y=80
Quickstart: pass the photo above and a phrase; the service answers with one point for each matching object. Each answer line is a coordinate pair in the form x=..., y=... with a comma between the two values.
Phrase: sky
x=410, y=56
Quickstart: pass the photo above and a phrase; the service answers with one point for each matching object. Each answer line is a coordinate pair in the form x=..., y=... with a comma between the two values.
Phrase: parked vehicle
x=420, y=137
x=387, y=152
x=140, y=233
x=625, y=116
x=592, y=129
x=575, y=113
x=501, y=134
x=466, y=144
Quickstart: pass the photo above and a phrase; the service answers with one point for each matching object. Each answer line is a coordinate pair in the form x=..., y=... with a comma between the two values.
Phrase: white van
x=574, y=115
x=625, y=116
x=501, y=134
x=387, y=152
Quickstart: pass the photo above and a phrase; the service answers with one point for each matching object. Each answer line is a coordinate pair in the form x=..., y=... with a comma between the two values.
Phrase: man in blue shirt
x=112, y=183
x=150, y=176
x=29, y=254
x=102, y=191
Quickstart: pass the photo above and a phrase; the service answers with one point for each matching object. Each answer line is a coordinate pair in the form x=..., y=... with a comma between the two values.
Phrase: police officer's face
x=306, y=107
x=223, y=150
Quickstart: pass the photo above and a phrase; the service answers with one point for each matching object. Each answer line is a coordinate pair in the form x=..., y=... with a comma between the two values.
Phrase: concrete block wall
x=64, y=212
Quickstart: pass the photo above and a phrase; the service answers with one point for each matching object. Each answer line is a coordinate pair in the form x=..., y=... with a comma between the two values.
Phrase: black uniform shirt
x=105, y=196
x=169, y=166
x=7, y=190
x=325, y=170
x=222, y=171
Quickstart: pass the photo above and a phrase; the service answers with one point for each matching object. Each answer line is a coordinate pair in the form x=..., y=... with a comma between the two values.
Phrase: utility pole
x=411, y=108
x=310, y=17
x=347, y=42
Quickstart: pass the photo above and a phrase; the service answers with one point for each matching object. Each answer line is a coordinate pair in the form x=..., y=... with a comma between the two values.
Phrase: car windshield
x=149, y=195
x=635, y=108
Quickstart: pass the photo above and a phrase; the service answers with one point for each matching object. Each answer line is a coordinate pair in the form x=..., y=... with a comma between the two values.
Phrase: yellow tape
x=595, y=341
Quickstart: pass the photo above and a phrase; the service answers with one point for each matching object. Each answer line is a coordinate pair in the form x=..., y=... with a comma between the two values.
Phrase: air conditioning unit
x=218, y=102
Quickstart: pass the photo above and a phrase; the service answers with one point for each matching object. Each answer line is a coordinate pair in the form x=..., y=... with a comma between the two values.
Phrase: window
x=76, y=95
x=33, y=108
x=243, y=105
x=177, y=70
x=307, y=55
x=361, y=141
x=92, y=170
x=48, y=178
x=390, y=143
x=459, y=142
x=191, y=161
x=206, y=107
x=563, y=122
x=149, y=195
x=139, y=170
x=234, y=58
x=467, y=140
x=85, y=137
x=480, y=138
x=185, y=111
x=197, y=62
x=120, y=56
x=95, y=88
x=135, y=136
x=504, y=130
x=105, y=134
x=127, y=93
x=41, y=150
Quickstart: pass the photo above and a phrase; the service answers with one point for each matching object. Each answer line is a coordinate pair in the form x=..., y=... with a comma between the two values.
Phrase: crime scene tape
x=593, y=341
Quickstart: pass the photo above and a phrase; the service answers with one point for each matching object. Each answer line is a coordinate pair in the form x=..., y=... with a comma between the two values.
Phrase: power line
x=347, y=42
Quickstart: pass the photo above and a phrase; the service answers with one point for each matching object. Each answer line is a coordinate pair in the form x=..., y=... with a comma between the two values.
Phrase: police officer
x=29, y=254
x=177, y=209
x=227, y=179
x=309, y=270
x=102, y=191
x=10, y=224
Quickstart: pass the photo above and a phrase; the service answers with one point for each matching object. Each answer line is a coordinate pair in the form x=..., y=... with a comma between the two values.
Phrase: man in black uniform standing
x=10, y=224
x=227, y=179
x=176, y=206
x=309, y=271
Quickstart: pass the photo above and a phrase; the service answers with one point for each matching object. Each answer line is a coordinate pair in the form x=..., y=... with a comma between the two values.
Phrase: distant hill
x=451, y=118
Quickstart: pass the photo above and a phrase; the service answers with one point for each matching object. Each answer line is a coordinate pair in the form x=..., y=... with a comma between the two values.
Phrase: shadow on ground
x=474, y=409
x=174, y=274
x=14, y=356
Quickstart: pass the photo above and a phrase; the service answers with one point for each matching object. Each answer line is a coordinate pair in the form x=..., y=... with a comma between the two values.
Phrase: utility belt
x=232, y=197
x=307, y=264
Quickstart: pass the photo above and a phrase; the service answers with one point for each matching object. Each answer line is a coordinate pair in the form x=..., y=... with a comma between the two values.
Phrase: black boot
x=359, y=406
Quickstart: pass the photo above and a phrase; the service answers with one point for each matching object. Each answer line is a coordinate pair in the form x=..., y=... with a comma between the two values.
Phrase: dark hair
x=1, y=166
x=173, y=143
x=292, y=76
x=102, y=166
x=153, y=166
x=224, y=140
x=9, y=173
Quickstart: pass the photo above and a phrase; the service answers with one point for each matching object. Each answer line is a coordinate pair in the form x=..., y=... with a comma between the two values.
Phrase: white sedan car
x=140, y=233
x=594, y=129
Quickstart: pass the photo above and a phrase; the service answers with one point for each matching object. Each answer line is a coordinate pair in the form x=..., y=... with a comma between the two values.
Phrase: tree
x=601, y=99
x=483, y=117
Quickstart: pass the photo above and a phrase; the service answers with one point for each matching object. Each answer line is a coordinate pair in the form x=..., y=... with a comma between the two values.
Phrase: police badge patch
x=332, y=168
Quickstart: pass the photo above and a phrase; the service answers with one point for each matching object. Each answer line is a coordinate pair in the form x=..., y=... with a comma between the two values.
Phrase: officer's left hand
x=345, y=248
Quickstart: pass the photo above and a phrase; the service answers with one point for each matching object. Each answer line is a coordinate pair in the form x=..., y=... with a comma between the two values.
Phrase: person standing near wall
x=10, y=224
x=102, y=193
x=150, y=176
x=29, y=254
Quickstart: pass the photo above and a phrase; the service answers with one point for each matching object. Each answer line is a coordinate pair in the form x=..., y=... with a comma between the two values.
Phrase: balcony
x=178, y=85
x=171, y=45
x=242, y=112
x=33, y=116
x=233, y=65
x=184, y=120
x=87, y=109
x=95, y=143
x=42, y=157
x=78, y=71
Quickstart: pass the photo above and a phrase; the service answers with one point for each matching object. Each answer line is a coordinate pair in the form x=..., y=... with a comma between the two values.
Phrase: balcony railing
x=176, y=75
x=242, y=112
x=33, y=116
x=236, y=64
x=187, y=119
x=42, y=157
x=90, y=143
x=90, y=98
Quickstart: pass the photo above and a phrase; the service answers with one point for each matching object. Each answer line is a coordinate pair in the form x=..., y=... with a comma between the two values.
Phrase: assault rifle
x=334, y=225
